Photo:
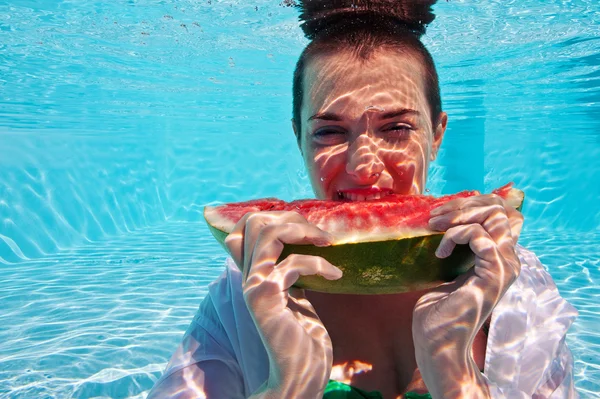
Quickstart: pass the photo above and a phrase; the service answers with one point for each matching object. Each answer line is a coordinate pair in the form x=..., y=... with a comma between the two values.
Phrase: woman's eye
x=329, y=136
x=398, y=132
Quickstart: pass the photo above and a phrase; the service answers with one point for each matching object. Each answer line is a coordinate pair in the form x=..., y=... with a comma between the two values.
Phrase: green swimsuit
x=339, y=390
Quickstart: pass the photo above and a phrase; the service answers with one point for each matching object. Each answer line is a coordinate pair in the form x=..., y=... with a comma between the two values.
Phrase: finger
x=506, y=267
x=242, y=237
x=235, y=240
x=254, y=226
x=295, y=265
x=468, y=215
x=475, y=235
x=297, y=293
x=498, y=227
x=469, y=202
x=297, y=300
x=271, y=291
x=515, y=219
x=493, y=218
x=272, y=238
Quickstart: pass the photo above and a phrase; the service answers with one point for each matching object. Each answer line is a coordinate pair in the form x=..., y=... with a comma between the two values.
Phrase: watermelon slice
x=382, y=245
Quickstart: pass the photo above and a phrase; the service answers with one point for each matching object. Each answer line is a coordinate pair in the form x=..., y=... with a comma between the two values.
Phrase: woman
x=368, y=119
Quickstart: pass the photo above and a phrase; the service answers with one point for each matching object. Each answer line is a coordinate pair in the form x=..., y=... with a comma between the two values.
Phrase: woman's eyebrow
x=330, y=116
x=326, y=116
x=398, y=112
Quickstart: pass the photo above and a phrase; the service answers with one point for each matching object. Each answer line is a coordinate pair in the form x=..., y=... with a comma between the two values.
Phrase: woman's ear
x=438, y=134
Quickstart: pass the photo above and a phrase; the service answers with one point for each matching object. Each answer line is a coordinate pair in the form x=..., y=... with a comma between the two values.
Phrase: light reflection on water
x=103, y=319
x=120, y=121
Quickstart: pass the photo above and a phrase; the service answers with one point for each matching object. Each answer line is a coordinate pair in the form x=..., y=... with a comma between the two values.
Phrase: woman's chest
x=392, y=372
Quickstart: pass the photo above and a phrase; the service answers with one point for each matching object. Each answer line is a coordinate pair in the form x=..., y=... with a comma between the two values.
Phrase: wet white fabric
x=526, y=356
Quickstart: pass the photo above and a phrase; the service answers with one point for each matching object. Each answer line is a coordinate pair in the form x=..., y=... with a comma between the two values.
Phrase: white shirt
x=526, y=355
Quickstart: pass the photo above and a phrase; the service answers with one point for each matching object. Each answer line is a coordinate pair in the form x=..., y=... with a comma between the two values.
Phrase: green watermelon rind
x=385, y=267
x=380, y=267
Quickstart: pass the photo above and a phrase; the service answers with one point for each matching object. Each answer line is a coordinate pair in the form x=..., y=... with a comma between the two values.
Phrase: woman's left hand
x=446, y=319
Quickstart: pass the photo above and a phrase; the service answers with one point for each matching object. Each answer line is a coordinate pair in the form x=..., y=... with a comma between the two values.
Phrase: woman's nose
x=364, y=162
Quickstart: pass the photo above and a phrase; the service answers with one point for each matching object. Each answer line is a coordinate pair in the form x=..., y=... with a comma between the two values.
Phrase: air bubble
x=322, y=179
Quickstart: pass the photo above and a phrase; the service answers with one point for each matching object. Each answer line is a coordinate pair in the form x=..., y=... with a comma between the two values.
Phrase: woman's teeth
x=359, y=197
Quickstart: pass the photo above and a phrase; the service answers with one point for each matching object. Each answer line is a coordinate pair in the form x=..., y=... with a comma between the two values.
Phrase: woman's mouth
x=363, y=194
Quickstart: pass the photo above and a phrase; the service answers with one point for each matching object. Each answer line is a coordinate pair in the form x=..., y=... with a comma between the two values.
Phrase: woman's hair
x=360, y=27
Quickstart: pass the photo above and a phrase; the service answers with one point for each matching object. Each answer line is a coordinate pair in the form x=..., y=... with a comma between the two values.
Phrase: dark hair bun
x=321, y=15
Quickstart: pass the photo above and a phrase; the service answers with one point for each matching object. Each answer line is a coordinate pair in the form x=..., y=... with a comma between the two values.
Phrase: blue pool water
x=120, y=121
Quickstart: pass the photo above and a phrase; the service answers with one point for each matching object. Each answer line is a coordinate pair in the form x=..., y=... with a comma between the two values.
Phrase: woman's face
x=366, y=126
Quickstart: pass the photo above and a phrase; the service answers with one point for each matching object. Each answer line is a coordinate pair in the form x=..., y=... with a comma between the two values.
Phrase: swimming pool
x=120, y=121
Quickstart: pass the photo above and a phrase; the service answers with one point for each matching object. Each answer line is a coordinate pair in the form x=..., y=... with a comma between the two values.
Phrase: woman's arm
x=212, y=362
x=527, y=354
x=446, y=319
x=297, y=344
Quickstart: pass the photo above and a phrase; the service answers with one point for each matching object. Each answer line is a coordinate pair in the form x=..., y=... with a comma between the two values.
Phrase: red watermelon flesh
x=391, y=217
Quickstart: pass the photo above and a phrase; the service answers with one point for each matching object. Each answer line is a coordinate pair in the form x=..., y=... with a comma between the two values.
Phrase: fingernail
x=435, y=211
x=438, y=253
x=338, y=272
x=441, y=253
x=325, y=241
x=435, y=223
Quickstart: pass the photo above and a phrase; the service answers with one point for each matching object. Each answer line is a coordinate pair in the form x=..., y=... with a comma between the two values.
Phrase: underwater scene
x=120, y=121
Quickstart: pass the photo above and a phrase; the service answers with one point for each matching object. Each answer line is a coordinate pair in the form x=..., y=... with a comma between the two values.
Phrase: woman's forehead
x=343, y=82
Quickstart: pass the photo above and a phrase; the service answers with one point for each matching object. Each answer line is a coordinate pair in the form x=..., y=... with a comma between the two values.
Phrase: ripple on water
x=101, y=321
x=119, y=116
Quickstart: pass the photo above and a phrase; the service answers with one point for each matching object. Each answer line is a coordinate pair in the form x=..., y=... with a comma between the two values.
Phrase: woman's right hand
x=298, y=345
